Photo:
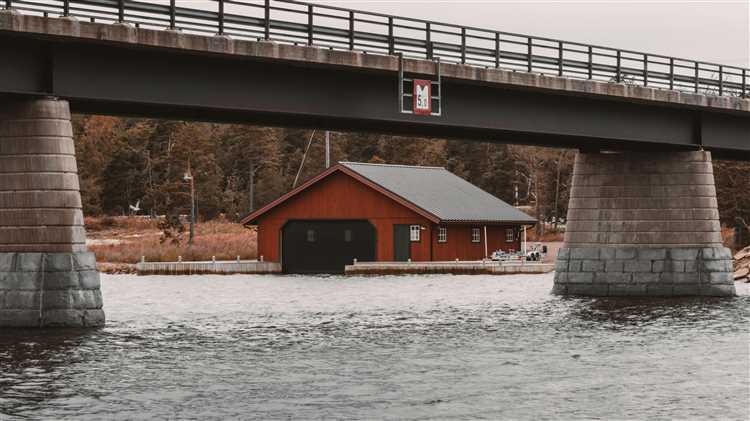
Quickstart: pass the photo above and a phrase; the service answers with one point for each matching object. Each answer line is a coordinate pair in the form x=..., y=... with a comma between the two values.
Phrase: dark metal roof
x=440, y=192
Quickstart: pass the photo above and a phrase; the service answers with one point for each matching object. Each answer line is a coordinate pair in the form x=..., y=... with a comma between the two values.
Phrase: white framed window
x=414, y=232
x=509, y=235
x=442, y=235
x=476, y=235
x=310, y=236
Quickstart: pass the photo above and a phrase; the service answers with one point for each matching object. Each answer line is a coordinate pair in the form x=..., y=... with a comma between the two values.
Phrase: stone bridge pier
x=47, y=277
x=643, y=224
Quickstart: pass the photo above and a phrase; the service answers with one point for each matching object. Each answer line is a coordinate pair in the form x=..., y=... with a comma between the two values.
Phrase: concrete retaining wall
x=206, y=268
x=457, y=268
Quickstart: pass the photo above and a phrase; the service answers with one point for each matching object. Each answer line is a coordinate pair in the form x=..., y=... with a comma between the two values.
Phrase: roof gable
x=432, y=192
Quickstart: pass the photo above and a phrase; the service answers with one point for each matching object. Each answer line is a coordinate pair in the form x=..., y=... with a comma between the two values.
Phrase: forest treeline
x=124, y=161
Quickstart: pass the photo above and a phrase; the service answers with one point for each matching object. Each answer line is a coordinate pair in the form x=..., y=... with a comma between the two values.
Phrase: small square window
x=442, y=235
x=476, y=235
x=509, y=235
x=348, y=236
x=414, y=231
x=310, y=236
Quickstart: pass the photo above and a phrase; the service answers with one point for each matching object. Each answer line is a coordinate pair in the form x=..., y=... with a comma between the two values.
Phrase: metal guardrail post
x=618, y=76
x=560, y=51
x=645, y=70
x=697, y=76
x=591, y=64
x=428, y=40
x=744, y=82
x=172, y=15
x=8, y=4
x=391, y=42
x=529, y=64
x=267, y=34
x=221, y=17
x=66, y=8
x=351, y=30
x=497, y=50
x=121, y=11
x=671, y=73
x=721, y=80
x=310, y=16
x=463, y=45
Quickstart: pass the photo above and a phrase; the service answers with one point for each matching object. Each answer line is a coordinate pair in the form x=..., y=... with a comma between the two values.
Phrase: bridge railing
x=299, y=23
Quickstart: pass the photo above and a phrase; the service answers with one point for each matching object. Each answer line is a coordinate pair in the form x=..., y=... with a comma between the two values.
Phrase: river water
x=396, y=347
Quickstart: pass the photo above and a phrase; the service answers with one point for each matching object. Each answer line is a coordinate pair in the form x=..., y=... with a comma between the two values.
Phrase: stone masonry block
x=563, y=253
x=637, y=266
x=61, y=281
x=89, y=279
x=561, y=278
x=574, y=266
x=716, y=253
x=652, y=253
x=595, y=290
x=584, y=253
x=691, y=265
x=681, y=278
x=718, y=278
x=712, y=290
x=626, y=290
x=561, y=266
x=659, y=290
x=20, y=281
x=84, y=261
x=21, y=300
x=681, y=290
x=626, y=253
x=6, y=262
x=592, y=265
x=613, y=277
x=580, y=277
x=607, y=253
x=645, y=278
x=19, y=318
x=674, y=266
x=658, y=266
x=29, y=262
x=614, y=266
x=58, y=262
x=683, y=253
x=716, y=265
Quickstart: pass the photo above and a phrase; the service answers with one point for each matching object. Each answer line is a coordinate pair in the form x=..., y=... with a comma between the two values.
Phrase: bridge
x=282, y=62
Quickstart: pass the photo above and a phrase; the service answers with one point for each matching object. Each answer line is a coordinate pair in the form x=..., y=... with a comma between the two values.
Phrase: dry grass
x=140, y=237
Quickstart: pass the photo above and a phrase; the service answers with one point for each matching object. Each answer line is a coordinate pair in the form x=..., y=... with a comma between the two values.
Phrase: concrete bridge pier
x=643, y=224
x=47, y=277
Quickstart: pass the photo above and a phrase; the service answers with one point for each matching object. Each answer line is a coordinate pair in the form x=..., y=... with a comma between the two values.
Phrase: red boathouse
x=375, y=212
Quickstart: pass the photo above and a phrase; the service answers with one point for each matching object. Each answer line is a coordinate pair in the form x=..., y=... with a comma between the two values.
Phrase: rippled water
x=268, y=347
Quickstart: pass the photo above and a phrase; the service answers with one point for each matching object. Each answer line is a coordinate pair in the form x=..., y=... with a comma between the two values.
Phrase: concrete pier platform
x=208, y=268
x=456, y=268
x=47, y=277
x=643, y=224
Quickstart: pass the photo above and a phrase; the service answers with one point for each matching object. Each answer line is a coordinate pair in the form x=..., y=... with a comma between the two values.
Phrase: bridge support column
x=47, y=277
x=643, y=224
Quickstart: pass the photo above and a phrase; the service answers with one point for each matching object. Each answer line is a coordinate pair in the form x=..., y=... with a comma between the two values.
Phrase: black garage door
x=326, y=246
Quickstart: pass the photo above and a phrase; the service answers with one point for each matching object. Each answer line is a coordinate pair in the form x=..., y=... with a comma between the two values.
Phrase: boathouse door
x=326, y=246
x=401, y=243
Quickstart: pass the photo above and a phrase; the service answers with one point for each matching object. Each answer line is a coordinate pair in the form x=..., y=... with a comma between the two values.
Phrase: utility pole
x=328, y=149
x=189, y=178
x=252, y=186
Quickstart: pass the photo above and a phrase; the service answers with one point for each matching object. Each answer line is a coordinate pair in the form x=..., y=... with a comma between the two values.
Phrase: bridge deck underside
x=148, y=82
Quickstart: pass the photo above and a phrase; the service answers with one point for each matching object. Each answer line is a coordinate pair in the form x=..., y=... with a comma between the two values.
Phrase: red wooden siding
x=459, y=245
x=340, y=196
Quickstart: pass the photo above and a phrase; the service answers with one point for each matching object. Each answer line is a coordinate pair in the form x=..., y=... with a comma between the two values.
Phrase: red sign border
x=422, y=82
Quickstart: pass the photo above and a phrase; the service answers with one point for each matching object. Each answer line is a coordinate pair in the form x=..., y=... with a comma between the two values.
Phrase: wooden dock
x=232, y=267
x=466, y=268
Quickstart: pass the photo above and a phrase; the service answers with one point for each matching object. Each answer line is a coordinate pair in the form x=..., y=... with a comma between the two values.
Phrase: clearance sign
x=422, y=97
